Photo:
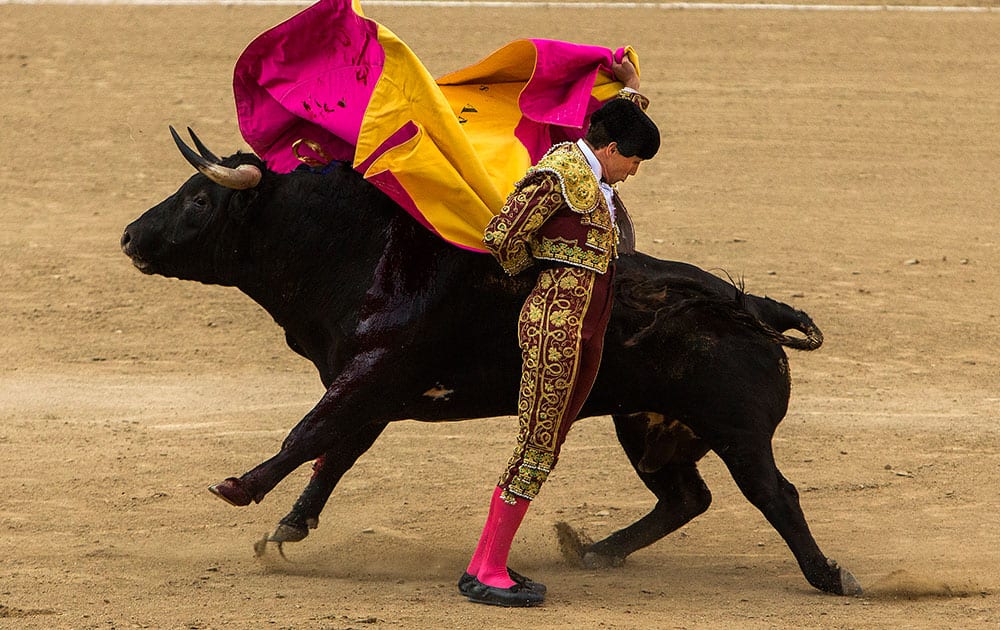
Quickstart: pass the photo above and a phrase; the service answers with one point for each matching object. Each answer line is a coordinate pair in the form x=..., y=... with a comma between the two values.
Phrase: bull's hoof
x=849, y=585
x=288, y=533
x=232, y=492
x=593, y=560
x=262, y=547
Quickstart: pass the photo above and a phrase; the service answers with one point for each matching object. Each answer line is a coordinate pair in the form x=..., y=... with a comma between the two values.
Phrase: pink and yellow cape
x=331, y=84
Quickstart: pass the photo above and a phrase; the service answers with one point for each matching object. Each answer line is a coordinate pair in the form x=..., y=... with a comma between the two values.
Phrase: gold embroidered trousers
x=561, y=334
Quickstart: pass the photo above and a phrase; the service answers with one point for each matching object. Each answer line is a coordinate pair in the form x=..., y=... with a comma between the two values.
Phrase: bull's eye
x=199, y=202
x=197, y=212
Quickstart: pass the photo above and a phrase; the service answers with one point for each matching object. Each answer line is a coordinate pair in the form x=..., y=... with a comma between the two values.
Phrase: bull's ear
x=243, y=205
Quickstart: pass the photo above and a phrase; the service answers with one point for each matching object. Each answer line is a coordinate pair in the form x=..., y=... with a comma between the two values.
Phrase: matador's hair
x=622, y=121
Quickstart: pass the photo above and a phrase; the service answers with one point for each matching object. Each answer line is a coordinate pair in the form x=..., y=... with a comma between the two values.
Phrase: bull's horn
x=205, y=153
x=240, y=178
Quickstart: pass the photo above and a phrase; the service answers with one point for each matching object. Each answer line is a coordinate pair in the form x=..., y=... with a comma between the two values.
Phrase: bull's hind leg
x=751, y=462
x=665, y=456
x=327, y=472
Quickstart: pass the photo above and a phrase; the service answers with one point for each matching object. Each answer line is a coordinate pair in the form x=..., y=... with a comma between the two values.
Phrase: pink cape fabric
x=329, y=84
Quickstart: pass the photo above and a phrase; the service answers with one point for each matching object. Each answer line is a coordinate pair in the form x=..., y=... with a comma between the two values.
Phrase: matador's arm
x=534, y=200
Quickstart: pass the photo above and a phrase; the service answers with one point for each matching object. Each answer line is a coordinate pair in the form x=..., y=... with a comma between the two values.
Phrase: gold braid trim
x=576, y=179
x=550, y=331
x=635, y=97
x=528, y=207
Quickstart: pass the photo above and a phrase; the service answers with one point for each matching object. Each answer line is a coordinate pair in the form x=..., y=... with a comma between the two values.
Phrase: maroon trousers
x=561, y=334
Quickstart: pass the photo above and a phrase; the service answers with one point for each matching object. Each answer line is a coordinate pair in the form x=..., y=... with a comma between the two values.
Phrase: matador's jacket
x=562, y=215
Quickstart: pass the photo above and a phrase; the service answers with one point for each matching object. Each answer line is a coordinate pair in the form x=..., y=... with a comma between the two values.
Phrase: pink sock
x=506, y=519
x=485, y=538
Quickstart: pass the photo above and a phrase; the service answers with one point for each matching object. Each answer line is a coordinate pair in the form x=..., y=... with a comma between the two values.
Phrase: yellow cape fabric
x=460, y=166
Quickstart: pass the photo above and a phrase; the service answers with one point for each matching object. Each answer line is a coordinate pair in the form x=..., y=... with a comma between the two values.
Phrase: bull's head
x=192, y=233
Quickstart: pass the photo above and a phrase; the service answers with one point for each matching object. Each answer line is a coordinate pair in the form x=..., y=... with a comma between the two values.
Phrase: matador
x=565, y=218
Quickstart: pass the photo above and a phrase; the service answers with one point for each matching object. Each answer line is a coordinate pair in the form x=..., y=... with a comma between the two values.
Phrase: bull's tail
x=779, y=318
x=769, y=317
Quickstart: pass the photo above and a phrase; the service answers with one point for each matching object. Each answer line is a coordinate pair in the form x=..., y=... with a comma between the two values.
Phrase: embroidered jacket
x=557, y=212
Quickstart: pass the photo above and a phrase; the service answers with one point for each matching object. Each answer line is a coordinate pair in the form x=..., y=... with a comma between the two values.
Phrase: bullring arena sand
x=842, y=161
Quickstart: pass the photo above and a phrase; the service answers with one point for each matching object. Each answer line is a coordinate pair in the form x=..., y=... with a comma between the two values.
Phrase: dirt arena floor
x=844, y=162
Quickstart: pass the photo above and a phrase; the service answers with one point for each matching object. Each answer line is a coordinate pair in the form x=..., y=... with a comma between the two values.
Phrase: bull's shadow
x=401, y=325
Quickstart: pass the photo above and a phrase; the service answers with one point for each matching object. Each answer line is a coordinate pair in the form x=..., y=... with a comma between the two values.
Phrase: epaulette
x=579, y=186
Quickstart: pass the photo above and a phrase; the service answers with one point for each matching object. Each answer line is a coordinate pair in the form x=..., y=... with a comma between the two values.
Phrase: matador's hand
x=626, y=73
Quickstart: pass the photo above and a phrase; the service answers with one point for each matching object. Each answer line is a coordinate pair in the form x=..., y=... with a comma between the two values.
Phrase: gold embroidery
x=550, y=331
x=531, y=474
x=576, y=178
x=571, y=253
x=600, y=240
x=507, y=235
x=599, y=218
x=562, y=179
x=635, y=97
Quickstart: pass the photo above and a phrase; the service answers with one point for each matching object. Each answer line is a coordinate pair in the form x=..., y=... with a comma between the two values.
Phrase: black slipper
x=516, y=596
x=465, y=582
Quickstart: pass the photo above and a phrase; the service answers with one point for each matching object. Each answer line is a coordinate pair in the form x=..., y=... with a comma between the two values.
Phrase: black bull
x=401, y=325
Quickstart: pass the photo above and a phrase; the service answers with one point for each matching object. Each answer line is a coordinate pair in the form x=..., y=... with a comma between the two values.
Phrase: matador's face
x=615, y=166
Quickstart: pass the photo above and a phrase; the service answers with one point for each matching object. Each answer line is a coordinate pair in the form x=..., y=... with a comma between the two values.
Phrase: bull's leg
x=348, y=406
x=327, y=472
x=682, y=496
x=680, y=491
x=751, y=462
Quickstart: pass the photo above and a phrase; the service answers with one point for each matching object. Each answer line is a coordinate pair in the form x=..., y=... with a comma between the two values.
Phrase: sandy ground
x=843, y=162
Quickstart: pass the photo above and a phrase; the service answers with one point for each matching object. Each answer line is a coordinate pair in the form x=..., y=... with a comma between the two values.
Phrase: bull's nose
x=128, y=248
